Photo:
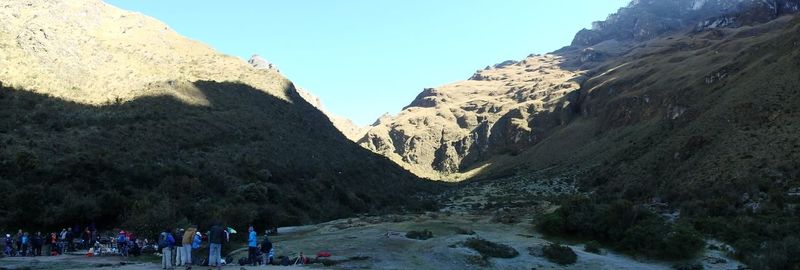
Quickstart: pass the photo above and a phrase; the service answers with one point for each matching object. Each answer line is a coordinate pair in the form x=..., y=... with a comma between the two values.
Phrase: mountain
x=110, y=116
x=344, y=125
x=447, y=129
x=685, y=108
x=453, y=131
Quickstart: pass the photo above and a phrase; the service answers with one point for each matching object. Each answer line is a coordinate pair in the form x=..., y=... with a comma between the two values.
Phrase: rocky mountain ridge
x=449, y=128
x=451, y=132
x=646, y=19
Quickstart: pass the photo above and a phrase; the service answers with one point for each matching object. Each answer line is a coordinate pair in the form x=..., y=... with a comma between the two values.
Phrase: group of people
x=175, y=245
x=31, y=244
x=176, y=248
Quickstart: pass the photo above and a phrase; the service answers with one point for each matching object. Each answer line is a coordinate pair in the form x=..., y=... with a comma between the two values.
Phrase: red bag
x=323, y=254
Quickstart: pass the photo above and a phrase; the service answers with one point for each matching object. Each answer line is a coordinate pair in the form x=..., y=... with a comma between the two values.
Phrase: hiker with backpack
x=186, y=246
x=122, y=243
x=266, y=249
x=166, y=242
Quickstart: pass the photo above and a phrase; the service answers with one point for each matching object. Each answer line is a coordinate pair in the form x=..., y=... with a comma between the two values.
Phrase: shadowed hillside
x=110, y=116
x=245, y=157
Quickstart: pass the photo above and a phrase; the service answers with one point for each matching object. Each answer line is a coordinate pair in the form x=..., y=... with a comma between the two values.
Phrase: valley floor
x=380, y=243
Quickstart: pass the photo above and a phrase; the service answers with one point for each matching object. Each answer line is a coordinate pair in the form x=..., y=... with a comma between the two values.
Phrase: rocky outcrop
x=259, y=62
x=502, y=109
x=646, y=19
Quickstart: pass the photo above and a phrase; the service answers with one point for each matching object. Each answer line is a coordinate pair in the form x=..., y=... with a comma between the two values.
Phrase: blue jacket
x=197, y=241
x=170, y=240
x=251, y=240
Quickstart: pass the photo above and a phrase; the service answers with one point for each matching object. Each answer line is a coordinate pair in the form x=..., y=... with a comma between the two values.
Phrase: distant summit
x=646, y=19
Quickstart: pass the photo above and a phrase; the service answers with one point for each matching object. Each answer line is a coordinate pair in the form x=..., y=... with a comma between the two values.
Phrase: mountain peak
x=646, y=19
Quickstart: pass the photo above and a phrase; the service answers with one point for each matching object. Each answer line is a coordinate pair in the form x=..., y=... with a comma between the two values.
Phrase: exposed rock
x=647, y=19
x=259, y=62
x=449, y=128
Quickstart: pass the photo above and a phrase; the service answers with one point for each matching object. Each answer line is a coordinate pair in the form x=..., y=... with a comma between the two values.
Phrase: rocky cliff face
x=500, y=110
x=645, y=19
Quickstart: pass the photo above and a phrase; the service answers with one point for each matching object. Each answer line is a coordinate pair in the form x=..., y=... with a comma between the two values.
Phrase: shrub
x=491, y=249
x=478, y=260
x=628, y=227
x=559, y=254
x=552, y=223
x=465, y=231
x=506, y=217
x=592, y=247
x=420, y=235
x=688, y=266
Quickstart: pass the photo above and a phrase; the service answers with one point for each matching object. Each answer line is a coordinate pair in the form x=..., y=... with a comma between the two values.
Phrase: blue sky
x=364, y=58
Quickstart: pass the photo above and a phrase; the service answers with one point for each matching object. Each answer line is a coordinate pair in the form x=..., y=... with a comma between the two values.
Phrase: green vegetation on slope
x=247, y=157
x=704, y=124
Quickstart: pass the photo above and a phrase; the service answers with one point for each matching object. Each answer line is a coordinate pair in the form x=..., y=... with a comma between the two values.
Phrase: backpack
x=162, y=241
x=121, y=239
x=196, y=242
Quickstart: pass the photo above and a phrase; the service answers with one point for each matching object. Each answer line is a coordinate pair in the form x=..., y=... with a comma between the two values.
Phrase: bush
x=419, y=235
x=628, y=227
x=491, y=249
x=559, y=254
x=688, y=266
x=465, y=231
x=592, y=247
x=478, y=260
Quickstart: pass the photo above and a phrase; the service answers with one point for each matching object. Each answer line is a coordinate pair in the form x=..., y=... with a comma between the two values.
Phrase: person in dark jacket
x=18, y=241
x=216, y=236
x=266, y=249
x=36, y=244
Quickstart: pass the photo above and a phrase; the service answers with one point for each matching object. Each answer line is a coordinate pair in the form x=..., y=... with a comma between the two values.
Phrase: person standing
x=122, y=243
x=186, y=248
x=216, y=237
x=37, y=241
x=178, y=247
x=87, y=238
x=62, y=241
x=52, y=241
x=266, y=249
x=252, y=245
x=25, y=244
x=18, y=239
x=167, y=241
x=9, y=245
